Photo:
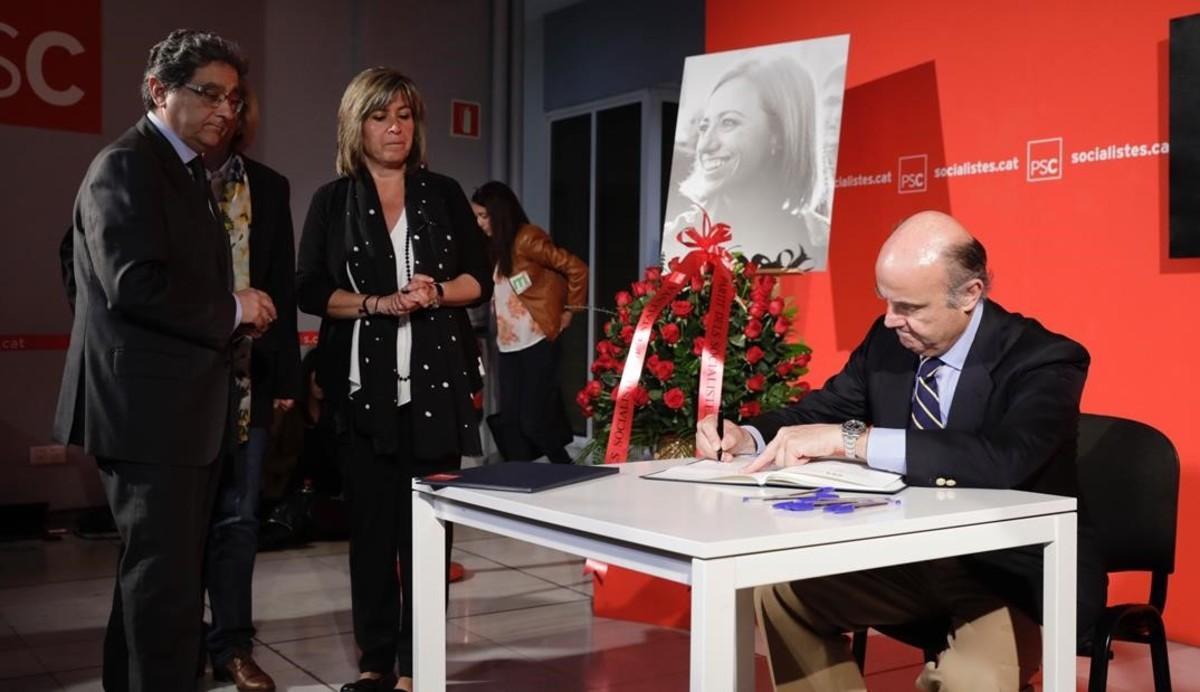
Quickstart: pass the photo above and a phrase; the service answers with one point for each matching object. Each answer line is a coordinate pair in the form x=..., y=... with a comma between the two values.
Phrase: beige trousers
x=992, y=646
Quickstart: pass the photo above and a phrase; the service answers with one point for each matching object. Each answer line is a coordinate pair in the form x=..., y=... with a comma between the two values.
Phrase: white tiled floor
x=521, y=620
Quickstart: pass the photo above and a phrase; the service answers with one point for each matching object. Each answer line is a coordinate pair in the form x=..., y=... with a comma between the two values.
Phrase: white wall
x=535, y=131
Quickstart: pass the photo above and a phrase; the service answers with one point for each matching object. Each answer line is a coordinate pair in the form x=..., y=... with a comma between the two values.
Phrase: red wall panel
x=50, y=65
x=1080, y=243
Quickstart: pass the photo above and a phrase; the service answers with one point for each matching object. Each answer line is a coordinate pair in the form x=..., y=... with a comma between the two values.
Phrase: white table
x=705, y=536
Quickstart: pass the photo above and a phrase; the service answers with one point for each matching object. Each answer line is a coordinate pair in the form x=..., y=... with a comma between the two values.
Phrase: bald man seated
x=951, y=390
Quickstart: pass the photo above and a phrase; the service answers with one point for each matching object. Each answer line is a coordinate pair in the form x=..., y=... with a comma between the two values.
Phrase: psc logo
x=50, y=66
x=913, y=175
x=1043, y=159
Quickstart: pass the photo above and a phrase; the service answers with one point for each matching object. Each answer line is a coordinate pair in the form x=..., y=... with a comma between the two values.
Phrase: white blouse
x=516, y=329
x=400, y=243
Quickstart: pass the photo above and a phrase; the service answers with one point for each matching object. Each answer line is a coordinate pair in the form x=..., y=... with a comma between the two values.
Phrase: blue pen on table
x=811, y=493
x=835, y=505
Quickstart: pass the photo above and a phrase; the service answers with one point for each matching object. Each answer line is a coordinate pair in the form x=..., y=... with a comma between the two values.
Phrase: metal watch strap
x=852, y=432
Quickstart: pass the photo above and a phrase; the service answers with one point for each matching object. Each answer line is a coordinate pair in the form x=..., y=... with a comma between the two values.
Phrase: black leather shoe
x=384, y=684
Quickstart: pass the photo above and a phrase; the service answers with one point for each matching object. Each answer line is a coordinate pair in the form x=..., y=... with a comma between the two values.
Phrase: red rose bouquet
x=763, y=369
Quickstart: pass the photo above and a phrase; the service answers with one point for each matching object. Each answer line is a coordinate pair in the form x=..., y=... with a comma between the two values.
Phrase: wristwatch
x=441, y=293
x=851, y=431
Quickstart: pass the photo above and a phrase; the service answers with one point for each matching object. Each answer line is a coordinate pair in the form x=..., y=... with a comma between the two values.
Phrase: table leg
x=1058, y=607
x=429, y=596
x=744, y=601
x=722, y=653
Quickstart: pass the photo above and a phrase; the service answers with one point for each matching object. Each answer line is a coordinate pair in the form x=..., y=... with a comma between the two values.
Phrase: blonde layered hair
x=369, y=91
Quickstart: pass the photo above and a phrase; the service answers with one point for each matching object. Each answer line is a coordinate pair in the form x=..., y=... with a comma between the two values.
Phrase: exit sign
x=464, y=119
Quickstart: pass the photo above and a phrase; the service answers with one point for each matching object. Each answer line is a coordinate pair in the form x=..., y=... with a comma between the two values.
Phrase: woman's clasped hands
x=419, y=293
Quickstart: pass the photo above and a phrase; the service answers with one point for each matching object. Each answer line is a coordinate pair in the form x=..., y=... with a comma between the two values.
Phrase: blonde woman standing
x=389, y=259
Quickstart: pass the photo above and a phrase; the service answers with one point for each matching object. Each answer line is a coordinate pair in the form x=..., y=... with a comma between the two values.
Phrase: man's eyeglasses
x=214, y=97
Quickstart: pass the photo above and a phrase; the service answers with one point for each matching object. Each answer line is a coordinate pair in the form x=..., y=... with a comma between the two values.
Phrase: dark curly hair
x=176, y=58
x=506, y=217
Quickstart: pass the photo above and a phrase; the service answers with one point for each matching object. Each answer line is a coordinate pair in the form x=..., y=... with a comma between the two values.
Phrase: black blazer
x=1013, y=424
x=1014, y=416
x=450, y=244
x=275, y=359
x=147, y=375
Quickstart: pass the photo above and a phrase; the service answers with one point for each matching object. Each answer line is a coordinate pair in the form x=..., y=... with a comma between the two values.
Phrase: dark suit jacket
x=1013, y=424
x=147, y=376
x=275, y=361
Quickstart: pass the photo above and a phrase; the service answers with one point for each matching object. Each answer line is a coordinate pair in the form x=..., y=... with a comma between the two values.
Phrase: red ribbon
x=708, y=253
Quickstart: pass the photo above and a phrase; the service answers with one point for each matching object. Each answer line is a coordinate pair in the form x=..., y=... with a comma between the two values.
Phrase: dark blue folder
x=519, y=476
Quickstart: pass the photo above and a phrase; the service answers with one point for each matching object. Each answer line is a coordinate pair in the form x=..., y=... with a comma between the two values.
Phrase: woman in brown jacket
x=535, y=283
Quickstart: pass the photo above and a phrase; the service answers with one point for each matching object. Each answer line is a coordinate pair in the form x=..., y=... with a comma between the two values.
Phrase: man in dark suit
x=146, y=387
x=949, y=389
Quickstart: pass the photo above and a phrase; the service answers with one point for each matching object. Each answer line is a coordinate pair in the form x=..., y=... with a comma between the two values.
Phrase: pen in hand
x=720, y=435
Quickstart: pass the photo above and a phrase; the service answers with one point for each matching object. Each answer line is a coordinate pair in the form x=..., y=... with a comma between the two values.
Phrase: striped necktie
x=926, y=406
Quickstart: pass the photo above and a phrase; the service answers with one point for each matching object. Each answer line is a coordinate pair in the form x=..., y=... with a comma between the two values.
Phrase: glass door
x=609, y=165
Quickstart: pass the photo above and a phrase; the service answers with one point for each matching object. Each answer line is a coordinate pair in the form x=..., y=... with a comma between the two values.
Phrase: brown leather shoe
x=245, y=674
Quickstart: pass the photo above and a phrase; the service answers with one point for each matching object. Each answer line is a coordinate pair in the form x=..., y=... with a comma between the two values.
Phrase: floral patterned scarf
x=232, y=193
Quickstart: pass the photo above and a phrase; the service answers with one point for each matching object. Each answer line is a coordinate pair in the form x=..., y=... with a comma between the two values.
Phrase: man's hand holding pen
x=721, y=440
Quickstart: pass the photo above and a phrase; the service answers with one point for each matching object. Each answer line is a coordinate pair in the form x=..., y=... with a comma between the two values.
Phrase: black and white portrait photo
x=756, y=147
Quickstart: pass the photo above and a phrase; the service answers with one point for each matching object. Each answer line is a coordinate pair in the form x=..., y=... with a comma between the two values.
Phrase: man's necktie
x=926, y=406
x=200, y=181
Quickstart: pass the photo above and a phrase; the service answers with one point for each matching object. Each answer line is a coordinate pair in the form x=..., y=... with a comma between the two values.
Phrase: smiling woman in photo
x=756, y=166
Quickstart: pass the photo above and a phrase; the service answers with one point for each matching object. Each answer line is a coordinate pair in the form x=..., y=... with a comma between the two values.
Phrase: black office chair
x=1128, y=476
x=1129, y=481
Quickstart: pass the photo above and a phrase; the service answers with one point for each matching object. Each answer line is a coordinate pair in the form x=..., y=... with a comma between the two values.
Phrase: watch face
x=854, y=427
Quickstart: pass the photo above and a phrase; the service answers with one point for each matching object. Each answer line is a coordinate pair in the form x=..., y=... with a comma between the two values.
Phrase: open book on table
x=824, y=473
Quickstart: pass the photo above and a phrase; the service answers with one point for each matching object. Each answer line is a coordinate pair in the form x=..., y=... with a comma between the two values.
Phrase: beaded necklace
x=408, y=274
